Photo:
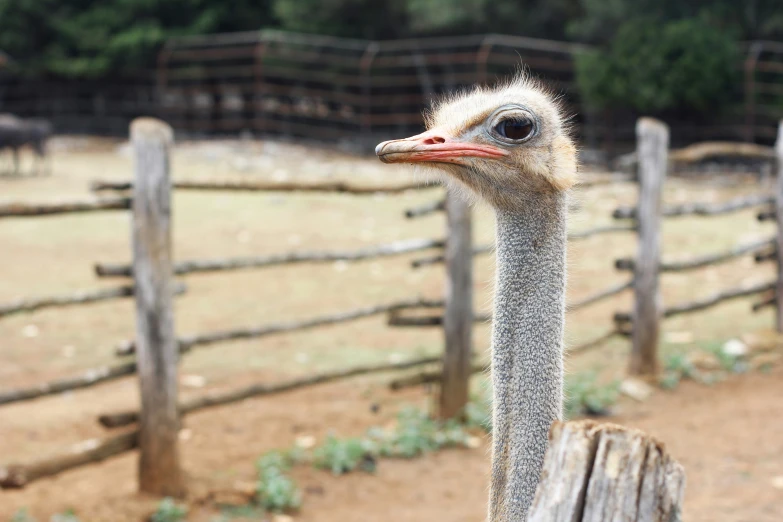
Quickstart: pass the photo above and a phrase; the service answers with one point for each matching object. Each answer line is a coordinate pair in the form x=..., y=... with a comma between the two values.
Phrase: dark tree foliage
x=94, y=38
x=652, y=67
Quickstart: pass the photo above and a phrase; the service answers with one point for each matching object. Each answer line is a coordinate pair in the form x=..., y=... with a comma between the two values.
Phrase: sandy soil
x=728, y=435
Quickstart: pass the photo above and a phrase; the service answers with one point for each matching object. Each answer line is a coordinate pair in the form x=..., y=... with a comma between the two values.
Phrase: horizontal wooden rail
x=14, y=476
x=62, y=207
x=702, y=209
x=112, y=420
x=440, y=258
x=242, y=263
x=187, y=343
x=599, y=296
x=32, y=304
x=704, y=303
x=628, y=264
x=85, y=379
x=396, y=319
x=256, y=185
x=699, y=152
x=426, y=209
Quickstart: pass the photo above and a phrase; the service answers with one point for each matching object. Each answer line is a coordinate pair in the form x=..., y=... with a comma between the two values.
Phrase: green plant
x=275, y=491
x=67, y=516
x=344, y=455
x=169, y=511
x=22, y=515
x=584, y=395
x=651, y=67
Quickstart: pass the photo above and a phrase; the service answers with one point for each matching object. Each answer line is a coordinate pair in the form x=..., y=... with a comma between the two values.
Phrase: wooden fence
x=156, y=348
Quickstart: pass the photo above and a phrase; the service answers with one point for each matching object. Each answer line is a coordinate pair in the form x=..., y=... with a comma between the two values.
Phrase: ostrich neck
x=527, y=353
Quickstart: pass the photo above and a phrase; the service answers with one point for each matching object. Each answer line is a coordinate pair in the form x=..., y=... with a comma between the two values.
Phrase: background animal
x=510, y=147
x=16, y=132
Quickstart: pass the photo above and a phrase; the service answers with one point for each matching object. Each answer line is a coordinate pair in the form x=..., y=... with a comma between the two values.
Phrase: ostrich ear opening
x=563, y=174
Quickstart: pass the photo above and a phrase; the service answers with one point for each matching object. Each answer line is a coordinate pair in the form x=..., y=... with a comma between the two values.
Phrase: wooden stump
x=605, y=473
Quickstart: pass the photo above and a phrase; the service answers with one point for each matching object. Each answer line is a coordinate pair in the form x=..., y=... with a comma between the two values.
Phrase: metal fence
x=359, y=91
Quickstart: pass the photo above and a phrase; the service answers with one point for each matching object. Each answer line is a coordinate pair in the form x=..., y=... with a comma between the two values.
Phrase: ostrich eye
x=515, y=129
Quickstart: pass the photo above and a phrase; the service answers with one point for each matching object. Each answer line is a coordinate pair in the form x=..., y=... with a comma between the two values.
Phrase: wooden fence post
x=779, y=233
x=597, y=472
x=652, y=150
x=458, y=315
x=157, y=351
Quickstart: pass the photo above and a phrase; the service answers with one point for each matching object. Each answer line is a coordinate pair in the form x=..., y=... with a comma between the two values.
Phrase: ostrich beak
x=434, y=146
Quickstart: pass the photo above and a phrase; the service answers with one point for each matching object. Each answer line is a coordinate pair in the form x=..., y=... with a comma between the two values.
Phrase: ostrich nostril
x=434, y=140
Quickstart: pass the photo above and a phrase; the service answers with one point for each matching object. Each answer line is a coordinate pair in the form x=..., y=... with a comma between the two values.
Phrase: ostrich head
x=508, y=144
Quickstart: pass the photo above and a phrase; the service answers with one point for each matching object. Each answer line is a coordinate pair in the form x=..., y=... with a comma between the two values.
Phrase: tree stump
x=606, y=473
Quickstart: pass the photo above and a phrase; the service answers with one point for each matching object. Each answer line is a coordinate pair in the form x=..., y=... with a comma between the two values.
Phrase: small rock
x=185, y=434
x=30, y=331
x=395, y=357
x=777, y=482
x=305, y=441
x=193, y=381
x=340, y=266
x=636, y=389
x=282, y=518
x=735, y=348
x=473, y=442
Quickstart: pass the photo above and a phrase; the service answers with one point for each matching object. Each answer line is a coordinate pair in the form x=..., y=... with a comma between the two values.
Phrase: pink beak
x=434, y=146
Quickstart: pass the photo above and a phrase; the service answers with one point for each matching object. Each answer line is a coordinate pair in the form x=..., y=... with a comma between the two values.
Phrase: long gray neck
x=527, y=349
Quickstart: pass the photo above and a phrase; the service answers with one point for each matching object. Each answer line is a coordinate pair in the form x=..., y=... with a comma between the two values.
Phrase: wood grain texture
x=458, y=311
x=653, y=143
x=607, y=473
x=156, y=354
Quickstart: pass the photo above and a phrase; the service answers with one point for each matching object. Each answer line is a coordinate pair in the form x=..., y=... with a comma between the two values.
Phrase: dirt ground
x=729, y=436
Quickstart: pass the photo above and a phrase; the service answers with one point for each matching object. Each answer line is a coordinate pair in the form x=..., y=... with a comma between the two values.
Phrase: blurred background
x=313, y=276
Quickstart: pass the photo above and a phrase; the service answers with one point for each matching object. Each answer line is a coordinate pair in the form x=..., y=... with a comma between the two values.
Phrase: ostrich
x=510, y=147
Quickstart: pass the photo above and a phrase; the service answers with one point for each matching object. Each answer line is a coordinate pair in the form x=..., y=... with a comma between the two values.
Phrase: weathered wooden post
x=600, y=472
x=156, y=345
x=652, y=151
x=779, y=234
x=458, y=315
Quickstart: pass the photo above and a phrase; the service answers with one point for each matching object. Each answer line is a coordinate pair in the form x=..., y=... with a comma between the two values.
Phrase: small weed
x=22, y=515
x=169, y=511
x=68, y=516
x=276, y=491
x=343, y=455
